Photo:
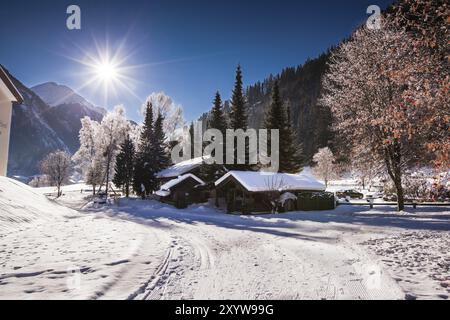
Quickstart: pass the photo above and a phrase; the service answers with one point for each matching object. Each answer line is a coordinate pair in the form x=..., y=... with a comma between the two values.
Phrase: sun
x=106, y=71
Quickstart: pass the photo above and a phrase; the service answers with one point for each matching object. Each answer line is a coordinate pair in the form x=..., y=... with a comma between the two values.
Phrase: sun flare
x=106, y=71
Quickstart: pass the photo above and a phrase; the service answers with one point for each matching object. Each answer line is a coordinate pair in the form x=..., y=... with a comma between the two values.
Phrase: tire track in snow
x=154, y=284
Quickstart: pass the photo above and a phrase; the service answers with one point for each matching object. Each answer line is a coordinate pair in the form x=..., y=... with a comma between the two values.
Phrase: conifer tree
x=159, y=146
x=279, y=118
x=294, y=149
x=238, y=118
x=238, y=115
x=218, y=120
x=144, y=173
x=276, y=117
x=124, y=168
x=191, y=134
x=212, y=172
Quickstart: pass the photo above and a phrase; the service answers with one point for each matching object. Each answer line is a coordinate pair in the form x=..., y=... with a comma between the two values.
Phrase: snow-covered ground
x=138, y=249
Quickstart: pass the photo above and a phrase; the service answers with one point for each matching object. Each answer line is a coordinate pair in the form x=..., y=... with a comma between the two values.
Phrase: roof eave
x=10, y=85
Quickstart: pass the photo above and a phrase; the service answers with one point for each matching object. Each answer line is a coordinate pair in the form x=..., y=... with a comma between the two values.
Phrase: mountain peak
x=55, y=94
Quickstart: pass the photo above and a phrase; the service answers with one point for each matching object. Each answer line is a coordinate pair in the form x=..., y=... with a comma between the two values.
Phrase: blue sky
x=188, y=49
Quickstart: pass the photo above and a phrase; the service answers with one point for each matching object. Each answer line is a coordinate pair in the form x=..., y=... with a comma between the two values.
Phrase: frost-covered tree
x=368, y=89
x=95, y=174
x=365, y=171
x=56, y=166
x=171, y=112
x=427, y=23
x=87, y=158
x=112, y=132
x=40, y=181
x=324, y=167
x=99, y=145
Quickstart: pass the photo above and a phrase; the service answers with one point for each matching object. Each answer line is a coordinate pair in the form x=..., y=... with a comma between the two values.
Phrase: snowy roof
x=266, y=181
x=180, y=168
x=162, y=193
x=170, y=184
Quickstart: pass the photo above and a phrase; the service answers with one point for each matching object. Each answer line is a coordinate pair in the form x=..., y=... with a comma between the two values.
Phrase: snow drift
x=20, y=204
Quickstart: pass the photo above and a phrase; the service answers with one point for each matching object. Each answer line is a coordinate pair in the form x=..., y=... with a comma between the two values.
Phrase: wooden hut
x=248, y=191
x=182, y=191
x=192, y=166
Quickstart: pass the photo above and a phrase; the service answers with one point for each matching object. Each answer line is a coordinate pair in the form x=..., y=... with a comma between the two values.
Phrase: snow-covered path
x=218, y=256
x=148, y=250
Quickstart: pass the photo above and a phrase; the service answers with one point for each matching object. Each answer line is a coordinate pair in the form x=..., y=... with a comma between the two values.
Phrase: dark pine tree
x=144, y=173
x=275, y=116
x=218, y=120
x=212, y=172
x=159, y=145
x=191, y=134
x=279, y=118
x=238, y=118
x=238, y=115
x=294, y=149
x=124, y=169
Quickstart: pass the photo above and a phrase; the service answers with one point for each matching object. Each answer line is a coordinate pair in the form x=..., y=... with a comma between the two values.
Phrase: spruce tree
x=238, y=115
x=191, y=134
x=218, y=120
x=275, y=116
x=238, y=119
x=294, y=149
x=144, y=174
x=279, y=118
x=124, y=168
x=159, y=146
x=212, y=172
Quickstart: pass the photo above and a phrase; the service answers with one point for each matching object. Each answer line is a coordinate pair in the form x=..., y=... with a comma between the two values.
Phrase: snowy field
x=134, y=249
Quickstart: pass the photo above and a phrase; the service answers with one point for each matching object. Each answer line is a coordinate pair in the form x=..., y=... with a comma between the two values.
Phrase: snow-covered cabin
x=182, y=191
x=181, y=168
x=8, y=95
x=250, y=191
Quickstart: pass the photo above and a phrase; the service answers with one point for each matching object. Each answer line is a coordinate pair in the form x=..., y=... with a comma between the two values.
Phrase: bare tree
x=56, y=166
x=274, y=186
x=368, y=89
x=324, y=168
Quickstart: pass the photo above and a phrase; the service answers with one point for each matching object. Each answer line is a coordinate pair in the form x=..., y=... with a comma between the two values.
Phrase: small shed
x=249, y=191
x=182, y=191
x=8, y=95
x=189, y=166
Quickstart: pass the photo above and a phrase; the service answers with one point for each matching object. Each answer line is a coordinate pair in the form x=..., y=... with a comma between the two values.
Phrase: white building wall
x=5, y=127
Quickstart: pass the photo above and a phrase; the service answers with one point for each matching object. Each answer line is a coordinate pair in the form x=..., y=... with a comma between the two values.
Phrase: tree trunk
x=393, y=166
x=107, y=178
x=400, y=194
x=59, y=190
x=127, y=189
